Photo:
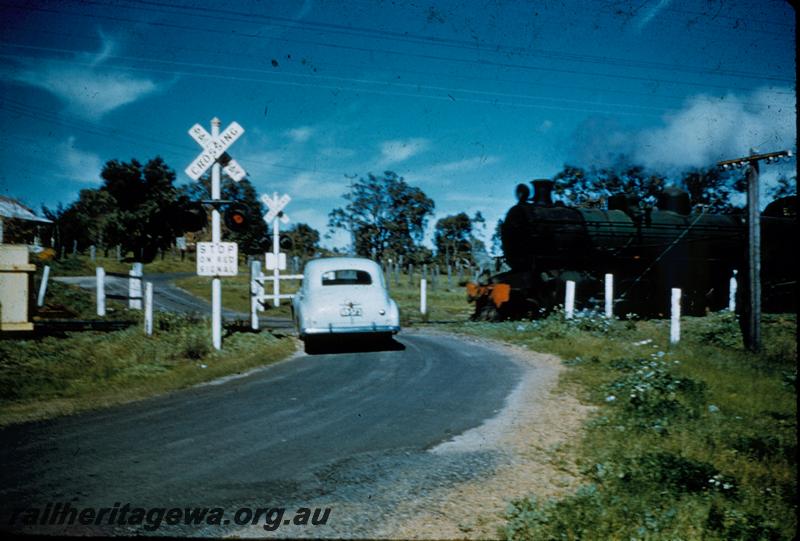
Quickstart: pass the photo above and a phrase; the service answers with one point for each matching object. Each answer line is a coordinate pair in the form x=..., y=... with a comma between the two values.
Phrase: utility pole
x=350, y=224
x=751, y=322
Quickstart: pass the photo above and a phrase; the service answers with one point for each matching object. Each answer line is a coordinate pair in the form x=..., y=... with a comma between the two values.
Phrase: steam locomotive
x=648, y=250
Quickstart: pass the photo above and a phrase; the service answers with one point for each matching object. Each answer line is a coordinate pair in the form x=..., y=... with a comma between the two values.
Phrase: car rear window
x=346, y=277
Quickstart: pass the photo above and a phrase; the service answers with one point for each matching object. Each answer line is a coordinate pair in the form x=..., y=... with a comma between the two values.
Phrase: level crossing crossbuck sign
x=214, y=149
x=275, y=206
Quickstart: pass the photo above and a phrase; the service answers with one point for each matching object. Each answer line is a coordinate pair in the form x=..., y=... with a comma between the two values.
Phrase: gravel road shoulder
x=535, y=434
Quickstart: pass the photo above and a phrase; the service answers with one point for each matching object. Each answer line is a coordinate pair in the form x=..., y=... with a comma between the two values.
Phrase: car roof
x=325, y=264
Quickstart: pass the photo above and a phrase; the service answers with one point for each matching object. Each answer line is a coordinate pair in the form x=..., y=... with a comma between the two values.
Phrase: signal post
x=216, y=258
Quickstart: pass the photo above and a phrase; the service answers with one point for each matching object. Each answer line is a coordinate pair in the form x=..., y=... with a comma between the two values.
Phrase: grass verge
x=82, y=265
x=444, y=303
x=51, y=376
x=693, y=441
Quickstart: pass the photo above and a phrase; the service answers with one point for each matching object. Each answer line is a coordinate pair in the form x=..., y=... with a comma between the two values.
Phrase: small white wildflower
x=660, y=354
x=610, y=398
x=712, y=408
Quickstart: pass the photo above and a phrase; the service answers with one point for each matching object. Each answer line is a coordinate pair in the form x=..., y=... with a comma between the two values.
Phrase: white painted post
x=119, y=253
x=423, y=301
x=569, y=301
x=148, y=308
x=675, y=319
x=732, y=293
x=609, y=296
x=135, y=286
x=255, y=271
x=276, y=289
x=92, y=252
x=100, y=272
x=43, y=286
x=216, y=237
x=216, y=315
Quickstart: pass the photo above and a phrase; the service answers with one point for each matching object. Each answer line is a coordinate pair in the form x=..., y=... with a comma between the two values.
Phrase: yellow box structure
x=15, y=283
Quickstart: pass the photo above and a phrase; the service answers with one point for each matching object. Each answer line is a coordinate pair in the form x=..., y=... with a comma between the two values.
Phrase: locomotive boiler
x=648, y=250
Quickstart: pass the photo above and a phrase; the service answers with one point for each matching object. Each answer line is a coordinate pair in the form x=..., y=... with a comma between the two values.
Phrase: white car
x=343, y=295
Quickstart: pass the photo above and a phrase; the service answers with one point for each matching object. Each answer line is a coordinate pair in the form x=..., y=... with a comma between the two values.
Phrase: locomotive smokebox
x=543, y=192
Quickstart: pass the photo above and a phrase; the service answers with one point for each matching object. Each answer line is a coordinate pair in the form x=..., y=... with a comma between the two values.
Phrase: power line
x=416, y=86
x=447, y=97
x=615, y=90
x=482, y=63
x=205, y=12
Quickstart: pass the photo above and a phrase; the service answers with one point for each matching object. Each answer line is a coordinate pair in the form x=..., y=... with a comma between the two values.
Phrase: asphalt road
x=347, y=430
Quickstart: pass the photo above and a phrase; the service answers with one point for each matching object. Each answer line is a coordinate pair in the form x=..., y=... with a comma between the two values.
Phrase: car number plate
x=350, y=311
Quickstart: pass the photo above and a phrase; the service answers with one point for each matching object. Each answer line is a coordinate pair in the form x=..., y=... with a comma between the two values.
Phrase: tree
x=386, y=215
x=452, y=236
x=455, y=237
x=707, y=187
x=497, y=243
x=144, y=197
x=86, y=221
x=303, y=241
x=712, y=188
x=581, y=188
x=784, y=188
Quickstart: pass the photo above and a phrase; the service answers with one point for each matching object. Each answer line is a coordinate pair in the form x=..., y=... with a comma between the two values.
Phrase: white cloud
x=709, y=129
x=447, y=173
x=307, y=185
x=300, y=134
x=89, y=87
x=467, y=164
x=706, y=130
x=399, y=150
x=78, y=165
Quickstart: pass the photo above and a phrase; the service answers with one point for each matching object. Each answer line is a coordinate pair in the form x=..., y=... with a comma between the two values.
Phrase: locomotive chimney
x=543, y=192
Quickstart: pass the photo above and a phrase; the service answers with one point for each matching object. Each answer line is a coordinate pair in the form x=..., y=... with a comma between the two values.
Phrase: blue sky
x=463, y=99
